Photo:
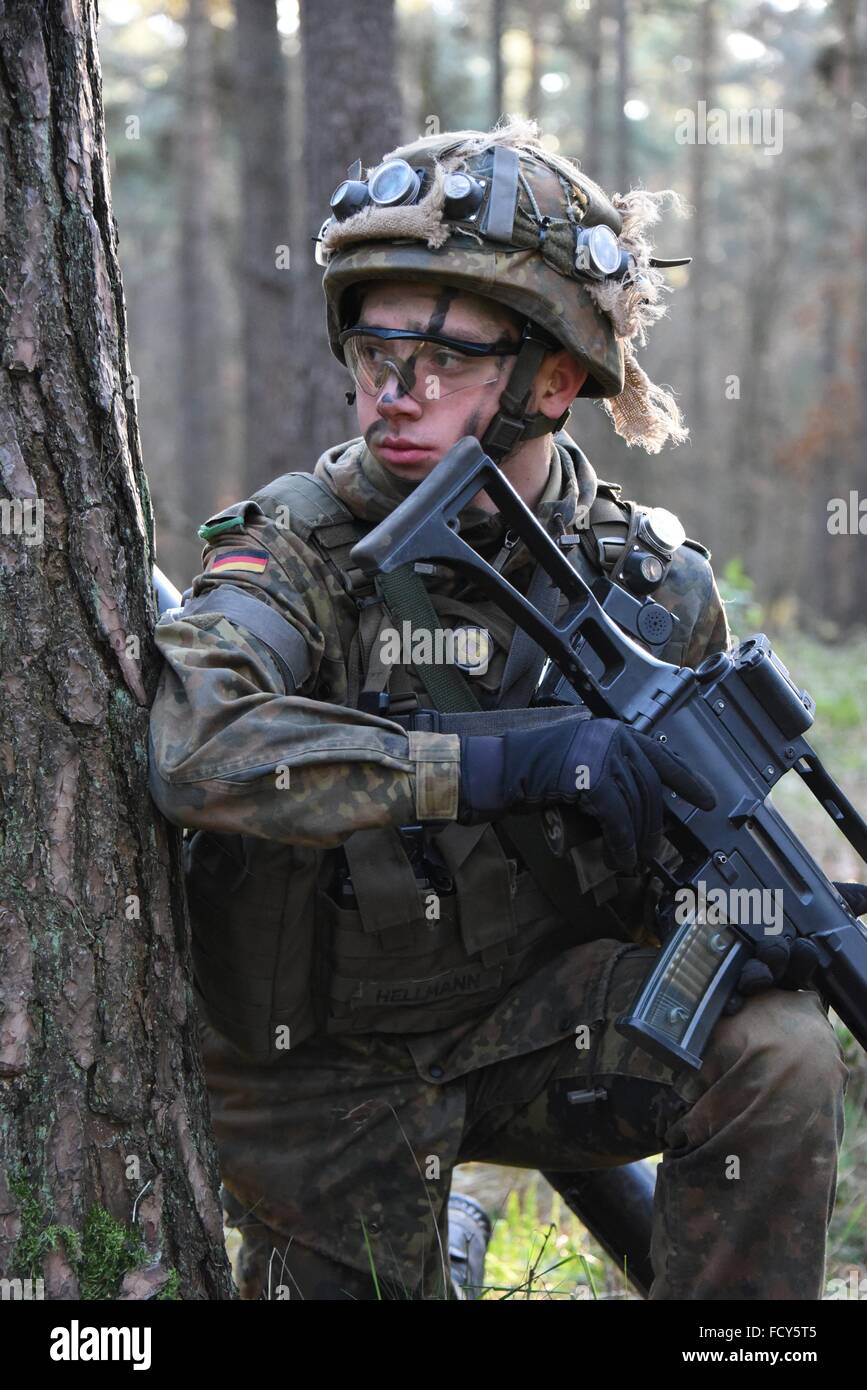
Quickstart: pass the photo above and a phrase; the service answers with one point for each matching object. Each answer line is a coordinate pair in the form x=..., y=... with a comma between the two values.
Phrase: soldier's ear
x=582, y=375
x=563, y=380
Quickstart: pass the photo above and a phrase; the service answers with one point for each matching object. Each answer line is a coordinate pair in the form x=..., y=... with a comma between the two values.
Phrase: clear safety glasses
x=428, y=366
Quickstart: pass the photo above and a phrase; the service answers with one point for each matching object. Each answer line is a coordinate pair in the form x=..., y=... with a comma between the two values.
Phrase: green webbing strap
x=487, y=908
x=408, y=601
x=384, y=883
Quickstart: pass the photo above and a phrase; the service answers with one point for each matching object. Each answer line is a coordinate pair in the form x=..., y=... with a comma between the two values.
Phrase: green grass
x=531, y=1257
x=847, y=1239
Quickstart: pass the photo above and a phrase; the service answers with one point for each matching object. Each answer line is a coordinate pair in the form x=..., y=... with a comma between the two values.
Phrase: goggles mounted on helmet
x=598, y=253
x=496, y=198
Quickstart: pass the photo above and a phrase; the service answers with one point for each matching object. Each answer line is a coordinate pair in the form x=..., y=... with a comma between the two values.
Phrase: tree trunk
x=534, y=19
x=623, y=127
x=498, y=24
x=592, y=159
x=824, y=481
x=581, y=38
x=202, y=443
x=755, y=482
x=701, y=156
x=265, y=283
x=854, y=612
x=348, y=116
x=838, y=593
x=103, y=1110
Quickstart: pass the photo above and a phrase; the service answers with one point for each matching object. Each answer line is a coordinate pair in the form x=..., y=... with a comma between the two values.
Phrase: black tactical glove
x=786, y=962
x=599, y=765
x=854, y=895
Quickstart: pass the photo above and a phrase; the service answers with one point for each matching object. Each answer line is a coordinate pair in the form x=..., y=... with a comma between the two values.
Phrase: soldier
x=395, y=974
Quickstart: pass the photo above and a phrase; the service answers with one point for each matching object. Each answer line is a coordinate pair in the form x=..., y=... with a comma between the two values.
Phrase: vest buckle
x=374, y=701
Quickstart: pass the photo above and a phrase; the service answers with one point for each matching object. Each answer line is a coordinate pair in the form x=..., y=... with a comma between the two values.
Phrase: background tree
x=264, y=284
x=352, y=111
x=107, y=1175
x=700, y=192
x=590, y=47
x=498, y=18
x=535, y=18
x=202, y=411
x=577, y=65
x=623, y=131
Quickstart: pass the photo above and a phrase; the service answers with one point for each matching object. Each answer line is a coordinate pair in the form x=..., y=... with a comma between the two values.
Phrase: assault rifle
x=738, y=716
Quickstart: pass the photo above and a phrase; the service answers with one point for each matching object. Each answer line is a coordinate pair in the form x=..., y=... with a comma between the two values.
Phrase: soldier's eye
x=371, y=353
x=445, y=360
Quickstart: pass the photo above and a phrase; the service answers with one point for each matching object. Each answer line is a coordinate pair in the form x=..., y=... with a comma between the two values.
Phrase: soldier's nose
x=394, y=399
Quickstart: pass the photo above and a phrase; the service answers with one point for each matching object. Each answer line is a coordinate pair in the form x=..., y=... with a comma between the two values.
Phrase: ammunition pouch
x=253, y=939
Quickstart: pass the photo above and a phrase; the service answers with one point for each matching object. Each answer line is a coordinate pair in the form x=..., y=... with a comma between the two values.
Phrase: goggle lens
x=426, y=369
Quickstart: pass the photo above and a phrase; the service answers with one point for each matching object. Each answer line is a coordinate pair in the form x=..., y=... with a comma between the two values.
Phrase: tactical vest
x=399, y=929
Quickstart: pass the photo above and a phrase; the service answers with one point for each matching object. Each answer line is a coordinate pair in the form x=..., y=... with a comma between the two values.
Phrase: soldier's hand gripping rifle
x=738, y=717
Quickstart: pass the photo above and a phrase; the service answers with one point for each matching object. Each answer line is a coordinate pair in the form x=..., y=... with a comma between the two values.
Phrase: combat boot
x=469, y=1235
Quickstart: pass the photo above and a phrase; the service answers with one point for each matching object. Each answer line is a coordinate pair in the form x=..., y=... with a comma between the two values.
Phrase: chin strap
x=512, y=424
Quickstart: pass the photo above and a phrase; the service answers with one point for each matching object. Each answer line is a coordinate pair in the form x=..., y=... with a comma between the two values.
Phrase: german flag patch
x=248, y=560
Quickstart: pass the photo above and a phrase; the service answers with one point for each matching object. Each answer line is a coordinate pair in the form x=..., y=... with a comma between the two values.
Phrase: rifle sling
x=408, y=600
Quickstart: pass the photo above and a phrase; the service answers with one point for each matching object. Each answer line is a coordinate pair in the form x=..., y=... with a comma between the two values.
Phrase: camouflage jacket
x=236, y=752
x=222, y=724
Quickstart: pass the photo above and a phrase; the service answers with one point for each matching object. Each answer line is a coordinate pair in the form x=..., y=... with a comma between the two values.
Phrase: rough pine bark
x=108, y=1177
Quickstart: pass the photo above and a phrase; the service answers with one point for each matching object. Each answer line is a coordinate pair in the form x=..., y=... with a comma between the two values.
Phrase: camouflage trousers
x=338, y=1159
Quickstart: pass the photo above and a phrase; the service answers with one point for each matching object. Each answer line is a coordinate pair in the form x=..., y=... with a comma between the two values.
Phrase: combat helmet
x=497, y=214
